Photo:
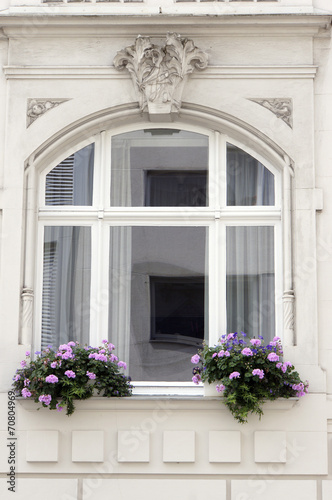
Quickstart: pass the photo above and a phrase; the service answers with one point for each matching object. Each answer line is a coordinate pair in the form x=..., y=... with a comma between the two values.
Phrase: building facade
x=166, y=160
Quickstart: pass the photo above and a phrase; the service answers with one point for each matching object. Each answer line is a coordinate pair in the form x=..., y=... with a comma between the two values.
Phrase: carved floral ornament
x=159, y=73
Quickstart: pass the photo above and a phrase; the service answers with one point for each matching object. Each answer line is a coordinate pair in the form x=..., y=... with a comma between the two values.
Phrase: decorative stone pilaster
x=288, y=299
x=159, y=73
x=27, y=315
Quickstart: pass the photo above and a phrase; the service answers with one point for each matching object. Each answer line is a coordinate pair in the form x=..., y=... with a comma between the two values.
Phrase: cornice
x=110, y=73
x=27, y=25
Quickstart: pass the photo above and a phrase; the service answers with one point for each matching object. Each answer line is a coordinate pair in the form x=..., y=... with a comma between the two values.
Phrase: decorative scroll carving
x=282, y=108
x=37, y=107
x=27, y=310
x=160, y=72
x=288, y=301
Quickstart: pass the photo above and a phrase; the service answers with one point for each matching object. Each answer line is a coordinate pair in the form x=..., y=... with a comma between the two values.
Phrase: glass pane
x=66, y=285
x=250, y=281
x=248, y=181
x=158, y=299
x=71, y=182
x=159, y=168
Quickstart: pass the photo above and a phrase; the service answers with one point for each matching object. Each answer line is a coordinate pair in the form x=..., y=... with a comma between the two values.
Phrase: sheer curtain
x=250, y=282
x=66, y=285
x=248, y=181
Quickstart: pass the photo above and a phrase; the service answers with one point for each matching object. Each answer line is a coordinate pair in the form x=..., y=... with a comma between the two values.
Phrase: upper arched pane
x=159, y=168
x=248, y=181
x=71, y=181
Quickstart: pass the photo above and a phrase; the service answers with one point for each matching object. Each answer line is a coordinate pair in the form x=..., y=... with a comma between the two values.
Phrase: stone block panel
x=150, y=489
x=87, y=446
x=270, y=446
x=42, y=446
x=40, y=488
x=133, y=447
x=179, y=446
x=262, y=489
x=224, y=446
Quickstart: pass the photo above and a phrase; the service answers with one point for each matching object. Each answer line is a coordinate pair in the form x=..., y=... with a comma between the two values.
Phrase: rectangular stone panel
x=224, y=446
x=152, y=489
x=179, y=446
x=133, y=446
x=87, y=446
x=42, y=446
x=275, y=489
x=40, y=489
x=270, y=446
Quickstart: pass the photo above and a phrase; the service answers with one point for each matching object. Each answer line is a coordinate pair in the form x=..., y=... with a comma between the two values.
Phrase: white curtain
x=250, y=280
x=248, y=181
x=66, y=285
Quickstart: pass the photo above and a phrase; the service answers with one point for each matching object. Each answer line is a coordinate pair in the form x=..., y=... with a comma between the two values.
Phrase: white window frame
x=100, y=216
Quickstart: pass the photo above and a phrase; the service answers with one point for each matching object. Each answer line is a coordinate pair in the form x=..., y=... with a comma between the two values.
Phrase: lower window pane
x=250, y=281
x=158, y=299
x=66, y=285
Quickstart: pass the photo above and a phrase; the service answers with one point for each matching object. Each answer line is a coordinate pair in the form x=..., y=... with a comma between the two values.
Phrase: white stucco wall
x=180, y=447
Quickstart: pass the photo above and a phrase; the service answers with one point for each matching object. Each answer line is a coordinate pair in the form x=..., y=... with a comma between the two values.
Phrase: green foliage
x=248, y=373
x=56, y=378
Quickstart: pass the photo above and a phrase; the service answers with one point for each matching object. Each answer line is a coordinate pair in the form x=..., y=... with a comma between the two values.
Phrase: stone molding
x=37, y=107
x=159, y=73
x=282, y=108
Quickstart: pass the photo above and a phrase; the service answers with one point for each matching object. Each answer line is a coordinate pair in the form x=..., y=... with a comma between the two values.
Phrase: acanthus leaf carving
x=37, y=107
x=159, y=72
x=281, y=107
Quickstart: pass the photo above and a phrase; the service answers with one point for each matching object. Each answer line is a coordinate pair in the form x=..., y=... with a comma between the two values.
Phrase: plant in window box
x=71, y=372
x=248, y=373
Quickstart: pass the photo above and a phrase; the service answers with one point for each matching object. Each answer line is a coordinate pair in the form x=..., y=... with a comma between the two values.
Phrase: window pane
x=159, y=167
x=250, y=291
x=248, y=181
x=158, y=299
x=66, y=285
x=71, y=182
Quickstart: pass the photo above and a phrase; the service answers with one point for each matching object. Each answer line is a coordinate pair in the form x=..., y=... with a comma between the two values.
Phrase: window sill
x=151, y=402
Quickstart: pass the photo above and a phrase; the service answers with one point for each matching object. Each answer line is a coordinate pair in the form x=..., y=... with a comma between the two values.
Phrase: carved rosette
x=37, y=107
x=282, y=108
x=160, y=72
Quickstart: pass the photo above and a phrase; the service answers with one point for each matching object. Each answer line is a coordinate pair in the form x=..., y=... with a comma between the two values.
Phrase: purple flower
x=70, y=374
x=234, y=375
x=220, y=388
x=64, y=347
x=51, y=379
x=101, y=357
x=221, y=353
x=58, y=407
x=246, y=351
x=258, y=372
x=67, y=355
x=91, y=375
x=122, y=364
x=230, y=336
x=26, y=382
x=227, y=354
x=45, y=398
x=276, y=339
x=17, y=378
x=27, y=353
x=195, y=359
x=279, y=365
x=23, y=363
x=37, y=352
x=273, y=356
x=104, y=341
x=255, y=342
x=25, y=393
x=196, y=379
x=71, y=343
x=54, y=364
x=111, y=347
x=214, y=355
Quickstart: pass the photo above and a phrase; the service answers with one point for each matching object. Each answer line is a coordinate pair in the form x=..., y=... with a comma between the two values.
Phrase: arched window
x=157, y=239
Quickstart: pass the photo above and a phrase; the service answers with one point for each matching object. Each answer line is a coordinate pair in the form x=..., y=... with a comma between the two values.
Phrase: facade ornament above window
x=159, y=73
x=37, y=107
x=282, y=108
